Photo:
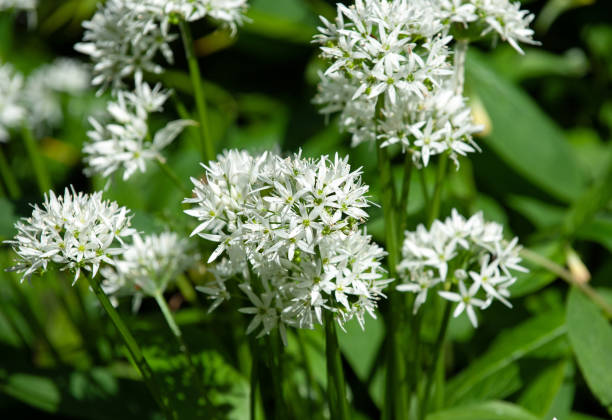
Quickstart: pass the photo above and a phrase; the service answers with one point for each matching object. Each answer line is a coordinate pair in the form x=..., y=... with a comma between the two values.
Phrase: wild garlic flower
x=126, y=143
x=390, y=76
x=122, y=41
x=74, y=231
x=28, y=5
x=230, y=13
x=43, y=87
x=147, y=266
x=289, y=228
x=502, y=17
x=466, y=261
x=12, y=110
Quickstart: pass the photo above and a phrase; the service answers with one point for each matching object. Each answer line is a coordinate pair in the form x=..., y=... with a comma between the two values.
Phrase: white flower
x=29, y=5
x=12, y=110
x=390, y=76
x=147, y=266
x=126, y=144
x=500, y=16
x=289, y=228
x=469, y=252
x=74, y=231
x=122, y=40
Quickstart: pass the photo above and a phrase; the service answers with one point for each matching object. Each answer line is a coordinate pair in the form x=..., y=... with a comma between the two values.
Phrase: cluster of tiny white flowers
x=28, y=5
x=75, y=231
x=390, y=76
x=469, y=256
x=12, y=110
x=37, y=98
x=122, y=40
x=500, y=16
x=124, y=37
x=45, y=84
x=126, y=143
x=289, y=227
x=147, y=266
x=230, y=13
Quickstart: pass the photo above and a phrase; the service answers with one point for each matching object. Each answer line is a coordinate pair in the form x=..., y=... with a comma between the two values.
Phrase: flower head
x=74, y=231
x=294, y=223
x=12, y=110
x=126, y=143
x=468, y=254
x=147, y=266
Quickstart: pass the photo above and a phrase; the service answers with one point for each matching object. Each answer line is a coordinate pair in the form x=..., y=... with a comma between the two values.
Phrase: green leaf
x=360, y=347
x=490, y=410
x=7, y=218
x=540, y=394
x=523, y=135
x=510, y=346
x=37, y=391
x=591, y=337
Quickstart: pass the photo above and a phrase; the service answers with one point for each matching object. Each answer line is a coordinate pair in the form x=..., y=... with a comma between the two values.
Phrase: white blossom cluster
x=12, y=109
x=390, y=76
x=28, y=5
x=147, y=266
x=122, y=41
x=502, y=17
x=289, y=228
x=394, y=78
x=466, y=260
x=75, y=231
x=125, y=143
x=37, y=98
x=124, y=37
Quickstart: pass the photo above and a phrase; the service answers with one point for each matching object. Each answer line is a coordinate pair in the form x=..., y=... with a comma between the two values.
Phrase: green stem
x=336, y=391
x=403, y=203
x=173, y=176
x=434, y=210
x=438, y=351
x=133, y=348
x=9, y=179
x=254, y=383
x=424, y=189
x=276, y=345
x=40, y=171
x=208, y=149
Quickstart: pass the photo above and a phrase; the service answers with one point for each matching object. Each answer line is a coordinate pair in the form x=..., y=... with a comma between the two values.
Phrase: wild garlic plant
x=276, y=242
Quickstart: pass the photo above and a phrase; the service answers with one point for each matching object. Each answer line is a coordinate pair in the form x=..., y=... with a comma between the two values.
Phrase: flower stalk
x=40, y=171
x=9, y=179
x=336, y=391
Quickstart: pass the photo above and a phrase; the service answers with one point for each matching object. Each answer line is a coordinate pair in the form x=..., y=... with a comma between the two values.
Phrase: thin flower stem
x=276, y=347
x=254, y=387
x=40, y=171
x=424, y=190
x=133, y=348
x=403, y=202
x=173, y=176
x=208, y=149
x=567, y=276
x=336, y=391
x=438, y=352
x=434, y=210
x=9, y=179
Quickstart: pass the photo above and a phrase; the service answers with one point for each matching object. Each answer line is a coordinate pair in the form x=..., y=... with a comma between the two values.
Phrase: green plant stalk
x=172, y=176
x=9, y=179
x=403, y=201
x=254, y=387
x=208, y=148
x=276, y=350
x=40, y=171
x=434, y=210
x=336, y=391
x=133, y=348
x=438, y=352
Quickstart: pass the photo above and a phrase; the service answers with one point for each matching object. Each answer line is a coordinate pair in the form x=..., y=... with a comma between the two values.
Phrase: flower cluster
x=147, y=266
x=126, y=142
x=12, y=110
x=289, y=226
x=74, y=231
x=124, y=37
x=391, y=77
x=468, y=259
x=123, y=41
x=499, y=16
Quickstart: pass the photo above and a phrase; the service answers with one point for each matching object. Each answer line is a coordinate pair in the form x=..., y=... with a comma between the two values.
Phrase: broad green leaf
x=490, y=410
x=510, y=346
x=523, y=136
x=37, y=391
x=289, y=20
x=360, y=347
x=540, y=394
x=591, y=337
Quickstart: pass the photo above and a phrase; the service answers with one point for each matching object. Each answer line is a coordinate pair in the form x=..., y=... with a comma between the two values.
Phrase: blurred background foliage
x=545, y=172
